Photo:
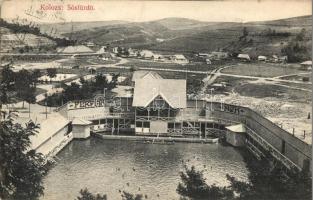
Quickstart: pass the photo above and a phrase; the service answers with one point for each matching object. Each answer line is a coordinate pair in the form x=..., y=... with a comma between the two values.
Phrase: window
x=146, y=124
x=170, y=125
x=139, y=124
x=209, y=125
x=283, y=146
x=177, y=125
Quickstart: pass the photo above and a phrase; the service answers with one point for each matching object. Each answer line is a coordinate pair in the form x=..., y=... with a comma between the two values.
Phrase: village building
x=208, y=61
x=262, y=58
x=90, y=44
x=106, y=56
x=132, y=52
x=180, y=59
x=283, y=59
x=274, y=58
x=218, y=55
x=115, y=50
x=244, y=57
x=203, y=55
x=306, y=65
x=158, y=57
x=147, y=75
x=146, y=54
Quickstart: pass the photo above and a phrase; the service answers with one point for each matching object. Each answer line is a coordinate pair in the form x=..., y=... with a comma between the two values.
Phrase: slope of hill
x=182, y=23
x=302, y=21
x=63, y=28
x=187, y=35
x=11, y=40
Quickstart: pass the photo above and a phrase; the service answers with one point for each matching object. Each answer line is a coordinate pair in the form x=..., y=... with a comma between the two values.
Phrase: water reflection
x=108, y=167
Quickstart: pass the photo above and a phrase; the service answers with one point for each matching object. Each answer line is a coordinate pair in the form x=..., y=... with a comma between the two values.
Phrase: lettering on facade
x=232, y=109
x=82, y=104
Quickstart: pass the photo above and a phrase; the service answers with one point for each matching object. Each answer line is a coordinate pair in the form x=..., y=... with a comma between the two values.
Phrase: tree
x=295, y=51
x=194, y=186
x=7, y=77
x=25, y=86
x=301, y=36
x=129, y=196
x=35, y=75
x=113, y=82
x=269, y=180
x=4, y=99
x=72, y=92
x=52, y=72
x=245, y=33
x=21, y=169
x=86, y=195
x=101, y=82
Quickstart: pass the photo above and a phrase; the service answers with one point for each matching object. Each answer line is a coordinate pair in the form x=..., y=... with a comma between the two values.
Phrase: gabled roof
x=145, y=75
x=173, y=91
x=75, y=49
x=48, y=128
x=239, y=128
x=179, y=56
x=245, y=56
x=309, y=62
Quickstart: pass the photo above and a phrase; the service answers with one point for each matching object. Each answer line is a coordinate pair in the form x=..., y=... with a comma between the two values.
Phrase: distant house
x=90, y=44
x=262, y=58
x=146, y=54
x=132, y=52
x=115, y=50
x=102, y=50
x=274, y=58
x=106, y=56
x=218, y=55
x=306, y=65
x=208, y=61
x=203, y=55
x=141, y=74
x=283, y=59
x=180, y=59
x=245, y=57
x=158, y=57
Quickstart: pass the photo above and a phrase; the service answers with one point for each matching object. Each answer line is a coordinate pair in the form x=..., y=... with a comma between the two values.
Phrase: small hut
x=81, y=128
x=235, y=135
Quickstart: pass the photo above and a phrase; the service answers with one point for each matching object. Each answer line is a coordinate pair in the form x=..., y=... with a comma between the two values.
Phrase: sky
x=215, y=11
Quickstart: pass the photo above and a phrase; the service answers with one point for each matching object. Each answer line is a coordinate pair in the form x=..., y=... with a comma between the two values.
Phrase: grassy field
x=262, y=70
x=162, y=65
x=262, y=91
x=297, y=77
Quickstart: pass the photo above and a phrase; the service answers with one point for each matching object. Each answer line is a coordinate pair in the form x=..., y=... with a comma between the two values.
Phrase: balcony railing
x=151, y=118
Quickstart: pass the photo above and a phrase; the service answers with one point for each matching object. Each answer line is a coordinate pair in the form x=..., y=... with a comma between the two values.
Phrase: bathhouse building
x=157, y=104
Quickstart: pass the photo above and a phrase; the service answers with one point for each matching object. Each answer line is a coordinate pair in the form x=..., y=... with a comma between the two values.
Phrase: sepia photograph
x=155, y=99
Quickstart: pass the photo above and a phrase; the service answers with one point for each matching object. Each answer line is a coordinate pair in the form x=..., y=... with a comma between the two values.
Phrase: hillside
x=63, y=28
x=11, y=41
x=182, y=23
x=187, y=35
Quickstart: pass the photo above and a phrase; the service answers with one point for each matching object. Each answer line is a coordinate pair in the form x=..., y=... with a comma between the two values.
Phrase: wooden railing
x=274, y=152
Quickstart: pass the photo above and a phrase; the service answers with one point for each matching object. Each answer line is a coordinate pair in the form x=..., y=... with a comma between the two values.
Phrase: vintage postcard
x=159, y=100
